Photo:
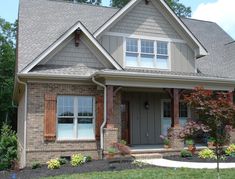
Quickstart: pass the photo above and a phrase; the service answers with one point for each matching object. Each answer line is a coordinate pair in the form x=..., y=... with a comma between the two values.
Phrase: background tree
x=180, y=9
x=216, y=111
x=7, y=63
x=95, y=2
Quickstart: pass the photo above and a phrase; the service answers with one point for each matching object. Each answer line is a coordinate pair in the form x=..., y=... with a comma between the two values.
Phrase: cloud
x=222, y=12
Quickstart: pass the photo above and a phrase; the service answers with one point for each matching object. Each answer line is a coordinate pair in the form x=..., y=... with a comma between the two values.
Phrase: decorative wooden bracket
x=147, y=2
x=77, y=37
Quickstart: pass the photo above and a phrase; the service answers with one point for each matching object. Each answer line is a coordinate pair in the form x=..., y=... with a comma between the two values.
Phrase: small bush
x=87, y=159
x=230, y=150
x=207, y=154
x=62, y=161
x=77, y=159
x=123, y=142
x=112, y=150
x=8, y=147
x=189, y=142
x=36, y=165
x=53, y=164
x=185, y=154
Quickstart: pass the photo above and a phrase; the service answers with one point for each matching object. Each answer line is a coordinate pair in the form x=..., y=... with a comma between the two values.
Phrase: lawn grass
x=152, y=173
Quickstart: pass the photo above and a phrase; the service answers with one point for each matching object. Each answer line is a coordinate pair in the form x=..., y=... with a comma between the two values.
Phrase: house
x=88, y=76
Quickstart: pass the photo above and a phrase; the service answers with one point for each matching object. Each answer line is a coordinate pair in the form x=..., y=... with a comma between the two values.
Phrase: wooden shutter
x=99, y=115
x=50, y=117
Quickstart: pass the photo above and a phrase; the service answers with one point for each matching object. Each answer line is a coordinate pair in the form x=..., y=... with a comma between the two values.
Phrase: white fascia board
x=76, y=26
x=166, y=77
x=202, y=50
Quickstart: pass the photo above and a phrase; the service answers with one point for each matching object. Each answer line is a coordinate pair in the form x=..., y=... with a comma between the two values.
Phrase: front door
x=144, y=119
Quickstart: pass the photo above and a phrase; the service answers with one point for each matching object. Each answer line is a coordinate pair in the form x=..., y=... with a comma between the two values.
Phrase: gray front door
x=144, y=118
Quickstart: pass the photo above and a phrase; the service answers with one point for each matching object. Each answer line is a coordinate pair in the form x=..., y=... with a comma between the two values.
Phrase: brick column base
x=110, y=137
x=175, y=141
x=232, y=136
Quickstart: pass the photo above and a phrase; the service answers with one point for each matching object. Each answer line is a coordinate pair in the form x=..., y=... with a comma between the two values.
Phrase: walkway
x=177, y=164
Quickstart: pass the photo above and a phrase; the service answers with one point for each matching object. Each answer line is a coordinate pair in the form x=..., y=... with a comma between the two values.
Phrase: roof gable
x=76, y=26
x=170, y=15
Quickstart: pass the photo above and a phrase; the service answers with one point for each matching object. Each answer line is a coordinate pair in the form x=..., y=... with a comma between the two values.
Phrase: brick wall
x=37, y=149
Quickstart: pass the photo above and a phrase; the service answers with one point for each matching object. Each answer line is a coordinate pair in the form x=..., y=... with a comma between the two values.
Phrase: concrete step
x=147, y=155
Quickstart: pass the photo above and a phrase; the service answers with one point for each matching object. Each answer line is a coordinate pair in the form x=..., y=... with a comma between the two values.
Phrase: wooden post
x=230, y=96
x=175, y=122
x=110, y=120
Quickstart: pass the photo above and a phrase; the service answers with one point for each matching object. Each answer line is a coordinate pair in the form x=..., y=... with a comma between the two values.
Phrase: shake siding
x=145, y=20
x=71, y=55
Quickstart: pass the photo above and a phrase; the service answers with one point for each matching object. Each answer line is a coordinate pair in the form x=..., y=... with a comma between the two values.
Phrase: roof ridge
x=85, y=4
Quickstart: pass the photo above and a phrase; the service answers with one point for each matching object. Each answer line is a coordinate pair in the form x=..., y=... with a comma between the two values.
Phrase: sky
x=220, y=11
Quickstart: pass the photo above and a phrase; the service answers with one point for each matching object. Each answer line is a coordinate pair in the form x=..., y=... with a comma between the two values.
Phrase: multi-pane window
x=75, y=117
x=183, y=109
x=147, y=53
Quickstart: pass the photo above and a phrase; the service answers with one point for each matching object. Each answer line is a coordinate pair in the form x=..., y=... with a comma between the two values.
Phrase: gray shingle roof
x=220, y=59
x=42, y=22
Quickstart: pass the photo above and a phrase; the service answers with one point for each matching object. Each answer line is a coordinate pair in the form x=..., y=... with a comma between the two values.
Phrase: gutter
x=166, y=76
x=25, y=118
x=105, y=119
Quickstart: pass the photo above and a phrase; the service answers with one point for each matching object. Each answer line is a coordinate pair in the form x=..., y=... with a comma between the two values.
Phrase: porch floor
x=158, y=148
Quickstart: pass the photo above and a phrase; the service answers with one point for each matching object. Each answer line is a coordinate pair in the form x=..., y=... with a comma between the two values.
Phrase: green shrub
x=189, y=142
x=207, y=154
x=77, y=159
x=36, y=165
x=123, y=142
x=230, y=150
x=8, y=147
x=211, y=139
x=62, y=161
x=112, y=150
x=185, y=153
x=53, y=164
x=87, y=159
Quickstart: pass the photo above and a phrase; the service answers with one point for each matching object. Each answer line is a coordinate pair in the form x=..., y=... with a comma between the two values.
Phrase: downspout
x=105, y=120
x=25, y=117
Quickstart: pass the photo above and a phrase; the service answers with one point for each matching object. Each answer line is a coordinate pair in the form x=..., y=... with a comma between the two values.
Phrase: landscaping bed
x=96, y=165
x=195, y=158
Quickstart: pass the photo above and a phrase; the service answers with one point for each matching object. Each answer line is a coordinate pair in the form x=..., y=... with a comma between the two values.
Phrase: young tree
x=217, y=111
x=7, y=63
x=180, y=9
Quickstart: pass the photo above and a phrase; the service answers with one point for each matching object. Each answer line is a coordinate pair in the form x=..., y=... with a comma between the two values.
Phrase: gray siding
x=182, y=58
x=114, y=45
x=71, y=55
x=145, y=20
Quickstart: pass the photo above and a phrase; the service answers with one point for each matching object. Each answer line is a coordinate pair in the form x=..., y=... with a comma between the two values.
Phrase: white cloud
x=222, y=12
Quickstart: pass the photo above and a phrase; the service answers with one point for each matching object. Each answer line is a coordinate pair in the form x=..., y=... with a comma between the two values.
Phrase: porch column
x=173, y=133
x=110, y=132
x=110, y=121
x=175, y=121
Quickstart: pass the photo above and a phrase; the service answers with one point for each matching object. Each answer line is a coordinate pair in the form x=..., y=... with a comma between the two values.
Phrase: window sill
x=146, y=68
x=75, y=140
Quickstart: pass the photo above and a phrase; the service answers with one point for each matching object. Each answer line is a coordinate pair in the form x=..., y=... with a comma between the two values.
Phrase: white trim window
x=147, y=53
x=184, y=114
x=75, y=118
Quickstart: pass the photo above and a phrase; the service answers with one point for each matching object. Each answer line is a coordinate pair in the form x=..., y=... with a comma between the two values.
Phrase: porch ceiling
x=156, y=80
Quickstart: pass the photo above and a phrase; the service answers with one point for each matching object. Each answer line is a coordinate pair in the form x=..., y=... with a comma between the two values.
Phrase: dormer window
x=147, y=54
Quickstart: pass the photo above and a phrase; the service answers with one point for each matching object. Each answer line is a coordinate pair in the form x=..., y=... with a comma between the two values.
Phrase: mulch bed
x=96, y=165
x=195, y=158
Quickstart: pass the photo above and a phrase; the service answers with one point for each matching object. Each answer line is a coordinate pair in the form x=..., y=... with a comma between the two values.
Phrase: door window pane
x=65, y=128
x=166, y=109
